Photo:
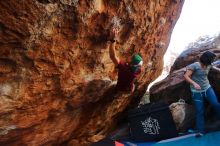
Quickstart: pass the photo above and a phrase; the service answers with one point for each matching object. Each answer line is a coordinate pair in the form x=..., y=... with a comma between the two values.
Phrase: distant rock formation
x=56, y=76
x=195, y=49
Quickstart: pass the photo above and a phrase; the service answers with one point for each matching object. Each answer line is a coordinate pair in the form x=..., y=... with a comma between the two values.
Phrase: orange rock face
x=56, y=76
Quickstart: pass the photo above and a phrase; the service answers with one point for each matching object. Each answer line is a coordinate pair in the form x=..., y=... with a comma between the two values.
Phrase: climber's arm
x=112, y=53
x=187, y=77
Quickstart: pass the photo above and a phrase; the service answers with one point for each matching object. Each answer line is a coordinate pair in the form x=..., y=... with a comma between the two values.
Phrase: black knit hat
x=207, y=58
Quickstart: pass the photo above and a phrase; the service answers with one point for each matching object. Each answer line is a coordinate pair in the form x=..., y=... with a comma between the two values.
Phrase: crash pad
x=209, y=139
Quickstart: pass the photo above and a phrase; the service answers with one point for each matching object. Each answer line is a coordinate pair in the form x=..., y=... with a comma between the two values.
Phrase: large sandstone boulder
x=171, y=89
x=56, y=76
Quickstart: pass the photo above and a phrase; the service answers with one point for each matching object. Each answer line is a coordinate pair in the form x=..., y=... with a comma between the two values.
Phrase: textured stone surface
x=55, y=72
x=171, y=89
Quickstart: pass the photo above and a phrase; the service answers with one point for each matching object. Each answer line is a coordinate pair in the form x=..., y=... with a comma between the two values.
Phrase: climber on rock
x=196, y=74
x=127, y=72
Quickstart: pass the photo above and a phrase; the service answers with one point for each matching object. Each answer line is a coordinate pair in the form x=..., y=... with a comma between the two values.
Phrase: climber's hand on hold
x=115, y=31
